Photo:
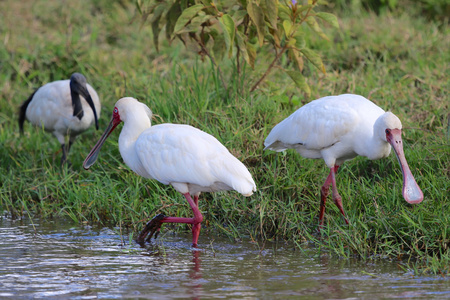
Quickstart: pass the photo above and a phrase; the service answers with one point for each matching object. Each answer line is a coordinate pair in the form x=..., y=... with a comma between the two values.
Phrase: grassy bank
x=399, y=61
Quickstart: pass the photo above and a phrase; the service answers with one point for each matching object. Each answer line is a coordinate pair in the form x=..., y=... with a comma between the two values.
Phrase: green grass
x=401, y=62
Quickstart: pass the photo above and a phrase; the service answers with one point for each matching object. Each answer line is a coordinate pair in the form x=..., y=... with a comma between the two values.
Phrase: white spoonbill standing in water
x=337, y=129
x=58, y=108
x=190, y=160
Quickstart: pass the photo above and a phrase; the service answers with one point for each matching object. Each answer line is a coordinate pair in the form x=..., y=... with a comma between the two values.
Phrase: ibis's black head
x=77, y=79
x=78, y=86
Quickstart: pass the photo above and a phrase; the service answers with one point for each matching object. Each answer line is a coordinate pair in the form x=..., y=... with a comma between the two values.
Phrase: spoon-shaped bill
x=92, y=156
x=411, y=190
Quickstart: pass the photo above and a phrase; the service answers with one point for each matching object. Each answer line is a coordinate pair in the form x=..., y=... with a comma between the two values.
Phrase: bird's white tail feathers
x=273, y=142
x=238, y=177
x=277, y=146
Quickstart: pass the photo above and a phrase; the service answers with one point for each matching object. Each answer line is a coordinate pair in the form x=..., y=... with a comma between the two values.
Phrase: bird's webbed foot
x=152, y=227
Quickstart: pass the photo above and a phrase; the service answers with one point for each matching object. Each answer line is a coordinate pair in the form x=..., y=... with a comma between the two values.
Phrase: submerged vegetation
x=398, y=60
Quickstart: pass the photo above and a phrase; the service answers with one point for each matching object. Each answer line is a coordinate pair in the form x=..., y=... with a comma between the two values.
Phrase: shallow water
x=60, y=259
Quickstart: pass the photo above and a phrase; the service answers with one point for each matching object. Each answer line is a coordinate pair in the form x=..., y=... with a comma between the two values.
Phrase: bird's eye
x=115, y=110
x=387, y=131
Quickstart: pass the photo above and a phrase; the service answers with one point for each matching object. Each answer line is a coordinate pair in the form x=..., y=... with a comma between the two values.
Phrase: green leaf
x=251, y=50
x=284, y=13
x=270, y=8
x=312, y=23
x=195, y=23
x=257, y=16
x=171, y=18
x=243, y=3
x=239, y=16
x=155, y=24
x=287, y=25
x=207, y=2
x=274, y=37
x=295, y=55
x=158, y=11
x=282, y=99
x=204, y=37
x=314, y=58
x=302, y=8
x=296, y=100
x=186, y=16
x=240, y=41
x=291, y=42
x=299, y=81
x=329, y=18
x=300, y=42
x=227, y=24
x=278, y=36
x=156, y=30
x=219, y=47
x=139, y=5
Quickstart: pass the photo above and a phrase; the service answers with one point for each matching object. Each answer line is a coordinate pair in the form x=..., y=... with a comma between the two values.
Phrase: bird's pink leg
x=324, y=194
x=155, y=223
x=196, y=200
x=324, y=191
x=323, y=198
x=336, y=197
x=198, y=218
x=196, y=226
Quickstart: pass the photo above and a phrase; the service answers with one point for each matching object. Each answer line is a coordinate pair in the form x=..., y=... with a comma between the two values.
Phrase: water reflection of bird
x=187, y=158
x=196, y=275
x=58, y=108
x=337, y=129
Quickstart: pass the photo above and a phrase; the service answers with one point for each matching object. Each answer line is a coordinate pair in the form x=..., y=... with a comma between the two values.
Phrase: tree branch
x=200, y=43
x=281, y=52
x=269, y=68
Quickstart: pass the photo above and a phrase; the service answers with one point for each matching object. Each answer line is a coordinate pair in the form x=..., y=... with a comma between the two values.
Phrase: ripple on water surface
x=61, y=259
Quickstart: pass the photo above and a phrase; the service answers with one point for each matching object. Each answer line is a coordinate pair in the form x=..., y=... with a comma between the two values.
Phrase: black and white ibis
x=64, y=108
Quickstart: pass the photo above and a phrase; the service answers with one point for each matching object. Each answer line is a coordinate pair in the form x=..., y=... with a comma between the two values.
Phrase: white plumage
x=339, y=128
x=190, y=160
x=64, y=108
x=166, y=149
x=329, y=125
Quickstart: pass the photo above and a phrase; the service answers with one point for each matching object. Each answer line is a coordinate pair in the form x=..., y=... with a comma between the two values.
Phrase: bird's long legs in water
x=154, y=225
x=331, y=180
x=196, y=226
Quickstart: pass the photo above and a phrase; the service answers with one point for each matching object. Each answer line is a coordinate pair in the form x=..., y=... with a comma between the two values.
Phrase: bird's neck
x=76, y=105
x=131, y=130
x=377, y=148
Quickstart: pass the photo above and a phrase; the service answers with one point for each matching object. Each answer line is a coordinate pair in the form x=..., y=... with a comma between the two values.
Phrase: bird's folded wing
x=314, y=126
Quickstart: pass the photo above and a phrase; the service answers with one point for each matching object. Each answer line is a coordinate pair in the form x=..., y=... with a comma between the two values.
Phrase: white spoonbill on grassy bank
x=64, y=108
x=337, y=129
x=190, y=160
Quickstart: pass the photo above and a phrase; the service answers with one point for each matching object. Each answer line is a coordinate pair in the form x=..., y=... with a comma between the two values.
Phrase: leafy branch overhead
x=238, y=29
